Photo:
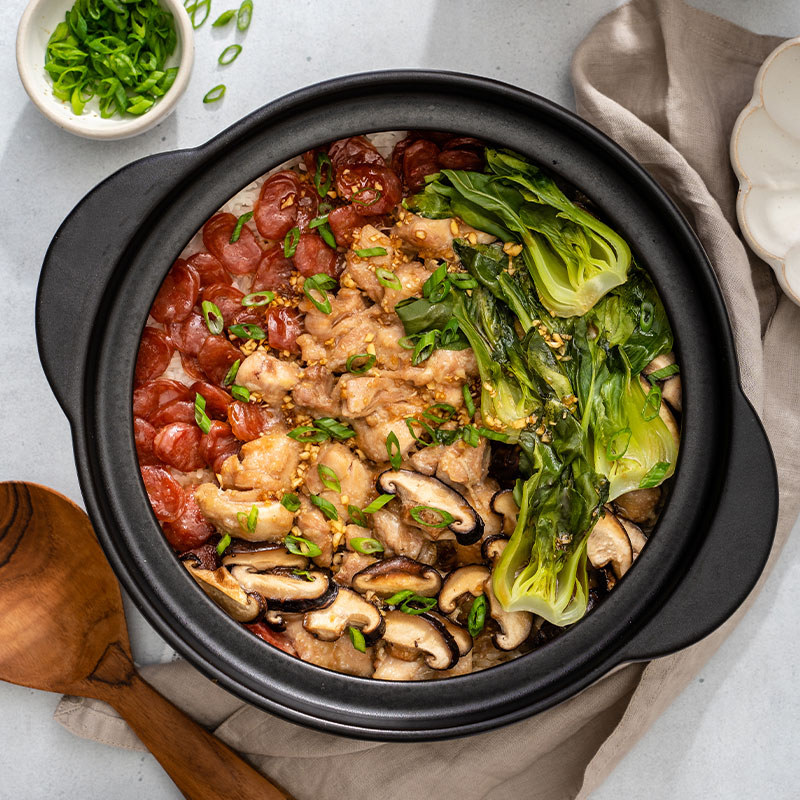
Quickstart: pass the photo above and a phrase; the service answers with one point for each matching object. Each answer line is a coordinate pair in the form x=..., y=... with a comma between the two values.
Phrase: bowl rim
x=117, y=129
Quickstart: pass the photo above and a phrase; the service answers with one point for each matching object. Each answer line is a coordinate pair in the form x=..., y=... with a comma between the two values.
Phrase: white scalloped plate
x=765, y=153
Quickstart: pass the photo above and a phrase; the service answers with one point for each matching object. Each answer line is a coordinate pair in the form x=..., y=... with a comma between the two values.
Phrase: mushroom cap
x=425, y=633
x=414, y=489
x=391, y=575
x=609, y=544
x=464, y=580
x=639, y=505
x=286, y=590
x=637, y=539
x=515, y=626
x=492, y=546
x=460, y=635
x=672, y=392
x=226, y=592
x=503, y=504
x=262, y=556
x=349, y=609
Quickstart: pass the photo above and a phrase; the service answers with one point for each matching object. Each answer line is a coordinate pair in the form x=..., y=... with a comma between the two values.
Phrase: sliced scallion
x=664, y=372
x=360, y=363
x=618, y=444
x=314, y=288
x=323, y=176
x=357, y=639
x=476, y=618
x=217, y=93
x=229, y=54
x=388, y=279
x=245, y=15
x=213, y=317
x=240, y=223
x=366, y=545
x=357, y=516
x=222, y=544
x=200, y=416
x=334, y=428
x=240, y=393
x=247, y=331
x=421, y=514
x=325, y=506
x=329, y=478
x=655, y=475
x=301, y=546
x=369, y=252
x=230, y=376
x=290, y=242
x=469, y=403
x=258, y=298
x=224, y=18
x=393, y=450
x=424, y=347
x=378, y=503
x=290, y=501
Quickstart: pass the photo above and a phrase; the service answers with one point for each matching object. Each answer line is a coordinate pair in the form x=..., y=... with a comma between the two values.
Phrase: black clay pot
x=109, y=258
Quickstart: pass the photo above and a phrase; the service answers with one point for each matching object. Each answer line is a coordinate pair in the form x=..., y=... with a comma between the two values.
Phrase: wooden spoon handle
x=201, y=766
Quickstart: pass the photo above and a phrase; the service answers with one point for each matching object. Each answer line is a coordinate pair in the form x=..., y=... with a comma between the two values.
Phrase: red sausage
x=240, y=257
x=399, y=152
x=217, y=400
x=191, y=529
x=273, y=271
x=143, y=435
x=354, y=150
x=249, y=421
x=219, y=444
x=343, y=221
x=215, y=358
x=461, y=159
x=421, y=159
x=152, y=396
x=189, y=334
x=279, y=640
x=275, y=211
x=228, y=299
x=191, y=366
x=176, y=411
x=284, y=325
x=177, y=295
x=209, y=269
x=178, y=444
x=165, y=493
x=314, y=256
x=373, y=190
x=155, y=353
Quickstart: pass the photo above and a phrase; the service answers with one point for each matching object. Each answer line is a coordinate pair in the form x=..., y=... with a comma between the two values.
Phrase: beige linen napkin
x=666, y=82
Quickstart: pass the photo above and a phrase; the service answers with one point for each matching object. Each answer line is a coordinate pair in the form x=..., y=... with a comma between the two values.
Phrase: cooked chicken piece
x=339, y=655
x=411, y=275
x=355, y=477
x=315, y=393
x=462, y=667
x=345, y=303
x=460, y=463
x=266, y=463
x=401, y=539
x=221, y=507
x=444, y=367
x=352, y=563
x=362, y=270
x=426, y=459
x=269, y=376
x=313, y=526
x=433, y=238
x=389, y=667
x=364, y=394
x=371, y=431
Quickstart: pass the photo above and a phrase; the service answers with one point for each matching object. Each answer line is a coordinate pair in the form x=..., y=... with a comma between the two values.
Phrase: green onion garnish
x=418, y=515
x=437, y=287
x=202, y=5
x=247, y=331
x=462, y=280
x=222, y=544
x=357, y=638
x=367, y=364
x=248, y=521
x=424, y=347
x=318, y=284
x=241, y=393
x=245, y=15
x=664, y=372
x=200, y=416
x=411, y=421
x=258, y=298
x=237, y=231
x=290, y=242
x=495, y=436
x=224, y=18
x=450, y=334
x=325, y=506
x=327, y=235
x=317, y=221
x=469, y=403
x=334, y=428
x=302, y=573
x=618, y=444
x=377, y=193
x=213, y=317
x=369, y=252
x=301, y=546
x=393, y=449
x=388, y=279
x=229, y=54
x=398, y=597
x=476, y=618
x=646, y=315
x=307, y=433
x=470, y=435
x=290, y=501
x=323, y=185
x=357, y=516
x=217, y=93
x=446, y=409
x=652, y=404
x=410, y=602
x=230, y=376
x=366, y=545
x=655, y=475
x=330, y=480
x=378, y=503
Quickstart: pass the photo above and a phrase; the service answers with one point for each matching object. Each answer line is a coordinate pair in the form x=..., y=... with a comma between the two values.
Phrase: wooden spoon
x=62, y=629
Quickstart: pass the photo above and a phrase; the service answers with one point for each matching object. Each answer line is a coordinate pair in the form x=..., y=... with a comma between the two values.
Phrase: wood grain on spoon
x=62, y=629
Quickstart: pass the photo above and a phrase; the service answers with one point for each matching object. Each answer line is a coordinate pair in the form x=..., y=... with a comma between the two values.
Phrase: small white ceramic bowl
x=35, y=28
x=765, y=153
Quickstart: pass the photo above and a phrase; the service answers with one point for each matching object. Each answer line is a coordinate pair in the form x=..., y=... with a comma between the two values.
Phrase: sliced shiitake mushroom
x=459, y=634
x=226, y=592
x=262, y=556
x=424, y=495
x=287, y=589
x=504, y=505
x=639, y=505
x=349, y=609
x=468, y=580
x=424, y=633
x=391, y=575
x=637, y=539
x=515, y=626
x=221, y=507
x=609, y=544
x=492, y=547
